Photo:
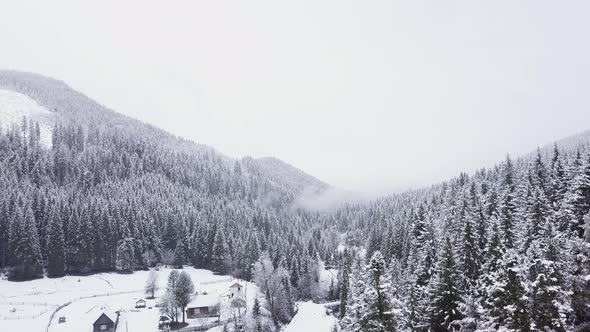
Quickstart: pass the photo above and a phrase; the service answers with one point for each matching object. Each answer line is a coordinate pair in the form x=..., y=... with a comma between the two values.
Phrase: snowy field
x=14, y=106
x=27, y=306
x=311, y=317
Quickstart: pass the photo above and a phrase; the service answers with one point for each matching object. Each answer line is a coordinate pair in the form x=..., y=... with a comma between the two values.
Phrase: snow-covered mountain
x=50, y=101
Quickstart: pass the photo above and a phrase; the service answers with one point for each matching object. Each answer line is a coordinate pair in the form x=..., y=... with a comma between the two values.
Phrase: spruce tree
x=444, y=311
x=506, y=301
x=470, y=254
x=56, y=263
x=24, y=245
x=219, y=252
x=548, y=308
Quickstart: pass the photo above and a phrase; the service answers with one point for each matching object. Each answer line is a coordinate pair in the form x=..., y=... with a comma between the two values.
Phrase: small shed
x=236, y=289
x=163, y=322
x=104, y=324
x=140, y=303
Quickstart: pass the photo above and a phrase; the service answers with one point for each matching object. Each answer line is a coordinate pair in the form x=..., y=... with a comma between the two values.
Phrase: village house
x=203, y=305
x=104, y=324
x=236, y=290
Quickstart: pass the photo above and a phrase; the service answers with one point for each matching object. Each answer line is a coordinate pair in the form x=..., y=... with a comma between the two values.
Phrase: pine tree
x=547, y=294
x=219, y=252
x=470, y=254
x=256, y=308
x=506, y=304
x=180, y=254
x=507, y=205
x=580, y=256
x=471, y=313
x=373, y=307
x=125, y=255
x=577, y=199
x=24, y=245
x=444, y=311
x=344, y=282
x=331, y=291
x=56, y=263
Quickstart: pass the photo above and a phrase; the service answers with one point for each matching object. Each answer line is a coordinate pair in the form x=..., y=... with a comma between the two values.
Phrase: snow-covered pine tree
x=24, y=245
x=56, y=263
x=371, y=309
x=445, y=303
x=507, y=305
x=125, y=255
x=219, y=252
x=549, y=300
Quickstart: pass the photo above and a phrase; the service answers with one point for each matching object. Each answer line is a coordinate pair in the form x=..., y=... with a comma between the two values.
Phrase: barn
x=104, y=324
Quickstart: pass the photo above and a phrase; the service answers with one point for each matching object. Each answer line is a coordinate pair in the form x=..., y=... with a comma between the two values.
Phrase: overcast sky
x=365, y=95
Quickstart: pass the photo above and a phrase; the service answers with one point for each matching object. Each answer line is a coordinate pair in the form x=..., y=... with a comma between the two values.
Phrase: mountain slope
x=112, y=192
x=73, y=108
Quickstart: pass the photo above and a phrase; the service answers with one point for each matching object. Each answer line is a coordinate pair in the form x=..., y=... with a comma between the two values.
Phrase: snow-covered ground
x=34, y=301
x=311, y=317
x=14, y=106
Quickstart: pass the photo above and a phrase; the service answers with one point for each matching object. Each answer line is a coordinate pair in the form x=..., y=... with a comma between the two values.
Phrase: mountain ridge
x=72, y=106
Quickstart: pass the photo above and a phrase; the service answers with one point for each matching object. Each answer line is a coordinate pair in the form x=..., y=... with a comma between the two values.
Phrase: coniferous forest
x=506, y=248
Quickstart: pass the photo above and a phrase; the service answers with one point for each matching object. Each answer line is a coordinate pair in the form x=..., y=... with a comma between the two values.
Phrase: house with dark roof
x=104, y=324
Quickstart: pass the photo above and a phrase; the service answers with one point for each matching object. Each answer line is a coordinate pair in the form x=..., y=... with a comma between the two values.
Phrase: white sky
x=366, y=95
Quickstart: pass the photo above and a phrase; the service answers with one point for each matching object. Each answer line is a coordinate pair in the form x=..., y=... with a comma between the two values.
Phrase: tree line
x=506, y=249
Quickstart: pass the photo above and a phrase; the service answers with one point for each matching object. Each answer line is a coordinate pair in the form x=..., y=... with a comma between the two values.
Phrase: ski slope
x=14, y=106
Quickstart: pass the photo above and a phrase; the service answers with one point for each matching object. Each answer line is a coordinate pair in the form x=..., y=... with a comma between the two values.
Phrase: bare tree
x=237, y=303
x=272, y=283
x=167, y=306
x=151, y=285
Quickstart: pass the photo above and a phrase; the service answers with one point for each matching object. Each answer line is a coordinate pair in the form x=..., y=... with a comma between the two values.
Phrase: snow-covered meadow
x=15, y=106
x=28, y=306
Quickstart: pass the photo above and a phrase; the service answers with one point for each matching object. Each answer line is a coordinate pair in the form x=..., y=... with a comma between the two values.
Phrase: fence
x=37, y=315
x=218, y=281
x=83, y=298
x=206, y=327
x=55, y=311
x=31, y=316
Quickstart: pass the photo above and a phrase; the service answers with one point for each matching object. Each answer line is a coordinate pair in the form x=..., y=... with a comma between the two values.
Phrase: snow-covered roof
x=209, y=300
x=103, y=319
x=236, y=285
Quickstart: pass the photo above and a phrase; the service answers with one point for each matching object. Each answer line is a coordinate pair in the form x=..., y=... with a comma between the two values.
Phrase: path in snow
x=311, y=317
